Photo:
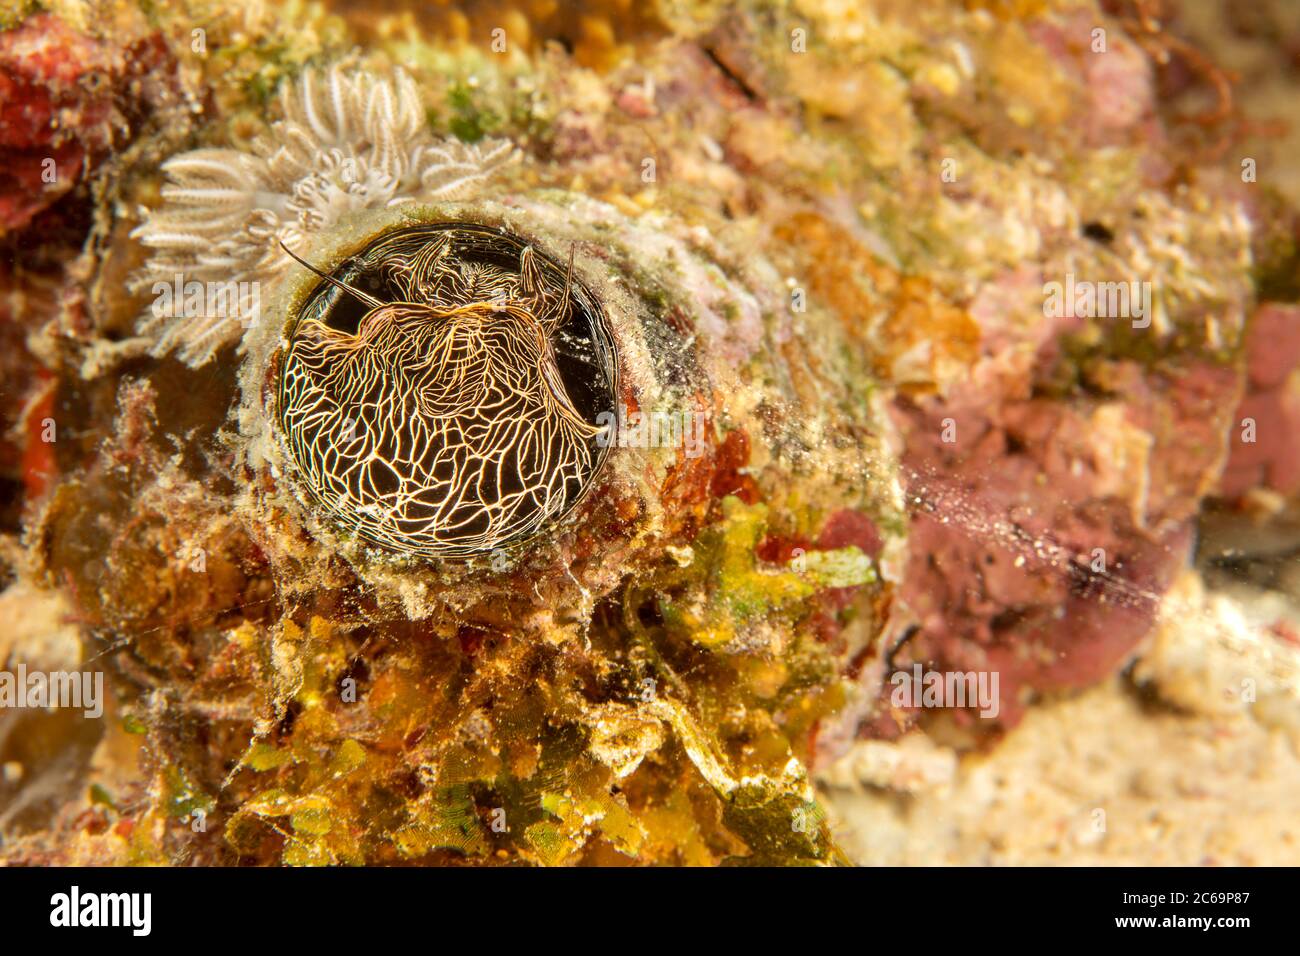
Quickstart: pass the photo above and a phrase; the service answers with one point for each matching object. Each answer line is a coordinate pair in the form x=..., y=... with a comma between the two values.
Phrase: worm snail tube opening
x=440, y=397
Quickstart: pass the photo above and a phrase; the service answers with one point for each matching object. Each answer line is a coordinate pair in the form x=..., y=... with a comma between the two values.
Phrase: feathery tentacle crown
x=348, y=141
x=439, y=390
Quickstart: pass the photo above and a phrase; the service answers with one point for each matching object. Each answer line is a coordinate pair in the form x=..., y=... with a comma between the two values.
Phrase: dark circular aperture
x=442, y=398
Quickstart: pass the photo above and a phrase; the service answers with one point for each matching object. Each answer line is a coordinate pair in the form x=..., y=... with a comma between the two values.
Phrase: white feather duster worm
x=348, y=141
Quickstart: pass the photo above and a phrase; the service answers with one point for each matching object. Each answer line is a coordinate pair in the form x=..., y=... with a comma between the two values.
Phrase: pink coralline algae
x=1271, y=406
x=55, y=103
x=1046, y=531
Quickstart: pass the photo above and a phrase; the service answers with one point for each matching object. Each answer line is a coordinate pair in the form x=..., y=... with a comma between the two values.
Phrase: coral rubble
x=935, y=326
